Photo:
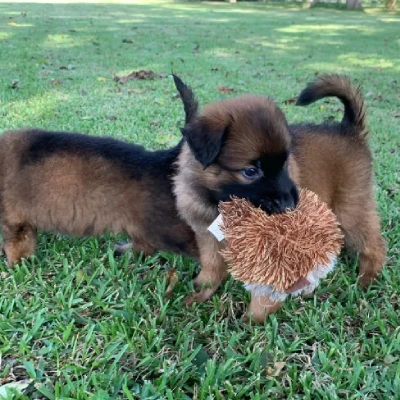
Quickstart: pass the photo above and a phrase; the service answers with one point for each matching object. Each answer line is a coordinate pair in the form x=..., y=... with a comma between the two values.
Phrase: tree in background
x=391, y=4
x=353, y=4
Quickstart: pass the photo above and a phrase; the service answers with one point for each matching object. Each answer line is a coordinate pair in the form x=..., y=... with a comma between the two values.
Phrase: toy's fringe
x=277, y=250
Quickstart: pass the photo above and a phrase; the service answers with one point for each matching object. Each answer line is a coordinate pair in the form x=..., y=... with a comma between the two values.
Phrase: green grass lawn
x=79, y=323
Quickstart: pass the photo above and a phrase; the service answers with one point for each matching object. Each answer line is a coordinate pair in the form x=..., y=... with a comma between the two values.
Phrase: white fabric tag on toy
x=215, y=228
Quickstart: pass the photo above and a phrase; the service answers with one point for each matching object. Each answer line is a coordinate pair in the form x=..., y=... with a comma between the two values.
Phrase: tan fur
x=339, y=170
x=335, y=165
x=247, y=117
x=79, y=195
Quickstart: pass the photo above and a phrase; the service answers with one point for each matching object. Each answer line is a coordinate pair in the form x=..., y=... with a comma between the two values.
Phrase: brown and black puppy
x=334, y=160
x=244, y=147
x=239, y=147
x=83, y=185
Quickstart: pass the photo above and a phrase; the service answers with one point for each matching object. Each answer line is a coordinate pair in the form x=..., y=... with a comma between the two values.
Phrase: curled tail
x=338, y=86
x=190, y=103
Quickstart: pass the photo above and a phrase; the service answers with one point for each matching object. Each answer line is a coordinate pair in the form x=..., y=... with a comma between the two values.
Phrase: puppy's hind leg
x=362, y=231
x=213, y=269
x=19, y=241
x=136, y=244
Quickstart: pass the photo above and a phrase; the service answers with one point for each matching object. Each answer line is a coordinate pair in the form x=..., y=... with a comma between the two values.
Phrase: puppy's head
x=241, y=147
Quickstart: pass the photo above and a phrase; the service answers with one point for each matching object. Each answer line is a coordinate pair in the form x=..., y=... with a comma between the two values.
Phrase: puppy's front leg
x=260, y=307
x=213, y=269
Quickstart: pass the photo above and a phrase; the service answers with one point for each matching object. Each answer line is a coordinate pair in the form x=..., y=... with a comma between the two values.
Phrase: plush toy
x=281, y=254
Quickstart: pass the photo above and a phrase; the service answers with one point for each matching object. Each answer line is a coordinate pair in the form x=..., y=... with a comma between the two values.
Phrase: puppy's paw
x=206, y=279
x=120, y=248
x=260, y=307
x=199, y=297
x=367, y=279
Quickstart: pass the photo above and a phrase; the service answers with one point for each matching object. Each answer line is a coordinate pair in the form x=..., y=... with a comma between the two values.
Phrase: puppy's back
x=334, y=157
x=75, y=184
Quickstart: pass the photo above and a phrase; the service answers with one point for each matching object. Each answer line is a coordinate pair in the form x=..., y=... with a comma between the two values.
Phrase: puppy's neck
x=191, y=192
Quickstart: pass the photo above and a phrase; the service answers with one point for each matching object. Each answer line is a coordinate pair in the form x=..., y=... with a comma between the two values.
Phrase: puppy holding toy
x=244, y=147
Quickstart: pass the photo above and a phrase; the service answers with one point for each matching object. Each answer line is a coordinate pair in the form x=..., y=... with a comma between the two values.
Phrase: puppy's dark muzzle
x=280, y=202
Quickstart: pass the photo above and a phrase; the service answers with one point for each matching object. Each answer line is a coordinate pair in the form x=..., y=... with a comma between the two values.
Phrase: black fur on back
x=135, y=160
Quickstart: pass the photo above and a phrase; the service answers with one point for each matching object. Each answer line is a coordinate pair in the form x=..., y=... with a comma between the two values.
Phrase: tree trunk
x=391, y=4
x=353, y=4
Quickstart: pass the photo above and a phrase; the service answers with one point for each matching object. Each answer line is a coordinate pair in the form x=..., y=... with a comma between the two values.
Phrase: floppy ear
x=204, y=143
x=190, y=103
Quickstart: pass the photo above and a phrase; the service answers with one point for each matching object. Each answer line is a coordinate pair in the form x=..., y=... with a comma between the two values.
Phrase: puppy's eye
x=251, y=173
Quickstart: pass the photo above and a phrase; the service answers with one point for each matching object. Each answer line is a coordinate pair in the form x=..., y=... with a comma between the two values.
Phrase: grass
x=80, y=324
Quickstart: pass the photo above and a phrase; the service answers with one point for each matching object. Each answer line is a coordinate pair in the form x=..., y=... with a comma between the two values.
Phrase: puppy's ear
x=190, y=103
x=204, y=143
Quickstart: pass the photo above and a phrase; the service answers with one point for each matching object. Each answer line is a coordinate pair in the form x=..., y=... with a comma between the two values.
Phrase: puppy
x=238, y=147
x=334, y=160
x=83, y=185
x=244, y=147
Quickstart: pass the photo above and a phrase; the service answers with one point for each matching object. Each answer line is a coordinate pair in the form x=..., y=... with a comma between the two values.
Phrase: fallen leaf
x=155, y=123
x=12, y=24
x=14, y=83
x=389, y=359
x=127, y=41
x=68, y=67
x=136, y=91
x=292, y=100
x=111, y=117
x=397, y=115
x=172, y=281
x=42, y=61
x=225, y=90
x=276, y=369
x=135, y=75
x=80, y=276
x=17, y=386
x=45, y=72
x=55, y=82
x=101, y=78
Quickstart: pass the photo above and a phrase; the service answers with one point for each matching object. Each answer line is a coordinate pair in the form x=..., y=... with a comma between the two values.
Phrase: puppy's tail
x=338, y=86
x=190, y=103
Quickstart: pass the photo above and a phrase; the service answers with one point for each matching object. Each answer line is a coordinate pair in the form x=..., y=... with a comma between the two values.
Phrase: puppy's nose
x=271, y=206
x=280, y=204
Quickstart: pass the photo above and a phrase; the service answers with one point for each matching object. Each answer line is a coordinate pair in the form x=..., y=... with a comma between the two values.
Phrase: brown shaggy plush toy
x=280, y=254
